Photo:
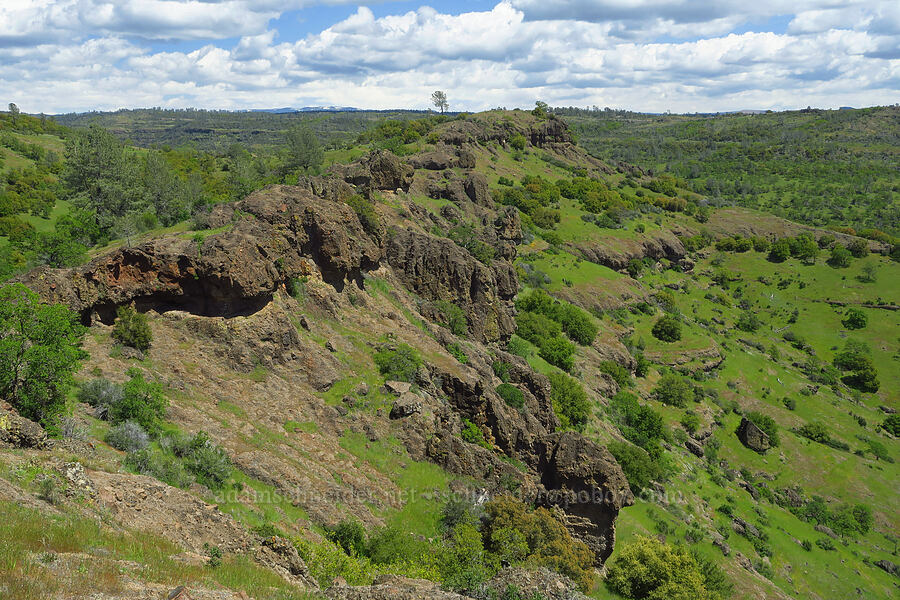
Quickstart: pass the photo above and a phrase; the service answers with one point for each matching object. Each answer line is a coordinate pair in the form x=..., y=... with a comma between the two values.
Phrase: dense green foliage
x=570, y=401
x=142, y=401
x=674, y=389
x=511, y=395
x=652, y=570
x=667, y=329
x=40, y=348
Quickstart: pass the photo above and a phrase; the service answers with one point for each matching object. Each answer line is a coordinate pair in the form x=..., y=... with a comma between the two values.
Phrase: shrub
x=365, y=212
x=142, y=402
x=570, y=402
x=536, y=327
x=577, y=324
x=825, y=544
x=620, y=374
x=815, y=431
x=350, y=535
x=892, y=425
x=558, y=351
x=457, y=352
x=128, y=437
x=637, y=465
x=472, y=433
x=642, y=365
x=100, y=393
x=648, y=568
x=859, y=248
x=767, y=424
x=855, y=319
x=780, y=251
x=208, y=462
x=673, y=389
x=518, y=142
x=639, y=424
x=511, y=395
x=132, y=328
x=501, y=370
x=748, y=321
x=516, y=534
x=161, y=465
x=518, y=347
x=691, y=422
x=667, y=329
x=840, y=257
x=400, y=363
x=453, y=317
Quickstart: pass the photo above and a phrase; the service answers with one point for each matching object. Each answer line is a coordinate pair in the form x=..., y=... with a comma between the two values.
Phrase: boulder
x=397, y=387
x=406, y=405
x=476, y=187
x=752, y=436
x=585, y=481
x=888, y=567
x=380, y=170
x=694, y=447
x=826, y=530
x=19, y=432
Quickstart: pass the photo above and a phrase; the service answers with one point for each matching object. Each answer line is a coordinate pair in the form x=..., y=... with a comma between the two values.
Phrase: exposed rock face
x=380, y=170
x=586, y=482
x=752, y=436
x=280, y=555
x=278, y=233
x=437, y=269
x=551, y=131
x=889, y=567
x=477, y=190
x=19, y=432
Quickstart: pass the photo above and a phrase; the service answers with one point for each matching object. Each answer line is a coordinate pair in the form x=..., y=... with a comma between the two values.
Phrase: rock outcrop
x=437, y=269
x=752, y=436
x=275, y=234
x=585, y=481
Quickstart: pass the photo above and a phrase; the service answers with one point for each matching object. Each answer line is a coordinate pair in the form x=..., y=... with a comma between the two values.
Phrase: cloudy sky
x=652, y=55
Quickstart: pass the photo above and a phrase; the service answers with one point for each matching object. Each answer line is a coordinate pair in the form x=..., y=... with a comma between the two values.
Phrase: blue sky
x=652, y=55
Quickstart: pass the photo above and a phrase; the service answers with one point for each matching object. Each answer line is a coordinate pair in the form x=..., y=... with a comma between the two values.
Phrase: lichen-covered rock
x=540, y=583
x=19, y=432
x=752, y=436
x=380, y=170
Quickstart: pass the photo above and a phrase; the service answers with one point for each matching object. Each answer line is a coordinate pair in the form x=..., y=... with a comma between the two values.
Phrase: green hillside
x=319, y=353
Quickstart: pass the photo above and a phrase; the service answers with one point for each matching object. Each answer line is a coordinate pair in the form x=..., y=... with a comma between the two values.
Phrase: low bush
x=639, y=468
x=399, y=363
x=673, y=389
x=558, y=351
x=648, y=568
x=132, y=328
x=620, y=374
x=128, y=437
x=511, y=395
x=142, y=401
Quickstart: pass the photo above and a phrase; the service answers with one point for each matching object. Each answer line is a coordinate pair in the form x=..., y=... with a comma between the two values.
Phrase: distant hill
x=825, y=168
x=217, y=130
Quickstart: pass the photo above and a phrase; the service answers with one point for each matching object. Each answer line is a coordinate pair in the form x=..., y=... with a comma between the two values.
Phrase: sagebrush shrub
x=128, y=437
